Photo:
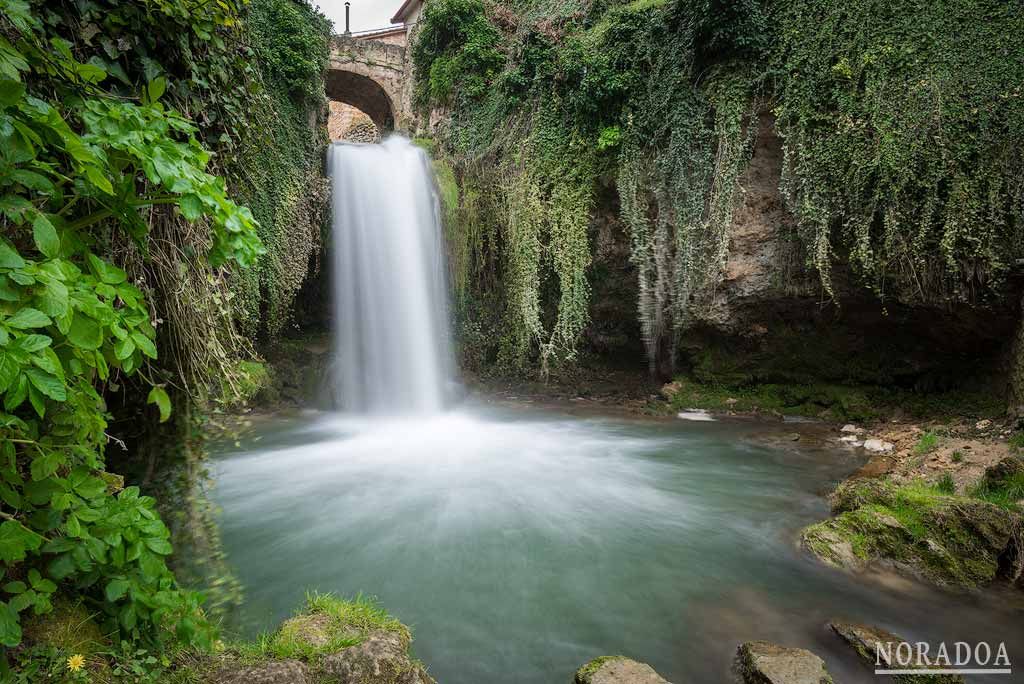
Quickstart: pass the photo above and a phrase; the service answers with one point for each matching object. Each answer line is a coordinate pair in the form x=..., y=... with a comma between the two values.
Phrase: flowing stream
x=521, y=541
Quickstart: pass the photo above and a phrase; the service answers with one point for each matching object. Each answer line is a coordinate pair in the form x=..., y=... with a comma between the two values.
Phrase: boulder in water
x=875, y=645
x=617, y=670
x=762, y=662
x=953, y=541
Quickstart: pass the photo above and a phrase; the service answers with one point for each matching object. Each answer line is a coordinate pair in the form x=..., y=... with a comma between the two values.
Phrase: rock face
x=617, y=670
x=762, y=662
x=381, y=658
x=952, y=541
x=274, y=672
x=332, y=642
x=876, y=648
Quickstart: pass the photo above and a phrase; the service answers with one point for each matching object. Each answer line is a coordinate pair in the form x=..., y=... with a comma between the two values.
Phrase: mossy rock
x=617, y=670
x=953, y=541
x=332, y=641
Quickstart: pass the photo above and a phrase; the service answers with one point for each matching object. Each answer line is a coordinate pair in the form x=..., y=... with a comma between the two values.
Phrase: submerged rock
x=949, y=540
x=617, y=670
x=877, y=648
x=762, y=662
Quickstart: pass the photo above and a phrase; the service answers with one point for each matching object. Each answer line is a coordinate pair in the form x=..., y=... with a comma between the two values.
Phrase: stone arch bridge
x=370, y=75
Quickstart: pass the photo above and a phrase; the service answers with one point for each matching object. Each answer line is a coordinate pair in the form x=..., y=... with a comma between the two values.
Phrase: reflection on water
x=520, y=544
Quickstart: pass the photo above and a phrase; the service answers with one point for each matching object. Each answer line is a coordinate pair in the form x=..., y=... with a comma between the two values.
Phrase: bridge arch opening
x=363, y=93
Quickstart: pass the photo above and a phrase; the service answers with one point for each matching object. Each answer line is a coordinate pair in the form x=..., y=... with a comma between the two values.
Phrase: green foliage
x=456, y=46
x=900, y=158
x=897, y=120
x=291, y=43
x=926, y=443
x=325, y=625
x=78, y=167
x=946, y=485
x=279, y=172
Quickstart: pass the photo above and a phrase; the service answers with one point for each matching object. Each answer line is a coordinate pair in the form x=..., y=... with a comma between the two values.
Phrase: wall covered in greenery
x=130, y=134
x=898, y=123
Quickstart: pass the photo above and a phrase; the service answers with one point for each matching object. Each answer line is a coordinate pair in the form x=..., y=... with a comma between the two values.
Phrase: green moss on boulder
x=952, y=541
x=331, y=640
x=617, y=670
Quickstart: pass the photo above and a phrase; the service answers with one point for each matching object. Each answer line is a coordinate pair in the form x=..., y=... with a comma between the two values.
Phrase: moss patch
x=584, y=674
x=69, y=627
x=919, y=530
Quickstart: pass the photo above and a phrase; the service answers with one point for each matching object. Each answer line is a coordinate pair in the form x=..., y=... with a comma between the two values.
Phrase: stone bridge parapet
x=371, y=76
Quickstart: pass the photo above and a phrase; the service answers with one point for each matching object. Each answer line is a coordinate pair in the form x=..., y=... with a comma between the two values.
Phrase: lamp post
x=348, y=7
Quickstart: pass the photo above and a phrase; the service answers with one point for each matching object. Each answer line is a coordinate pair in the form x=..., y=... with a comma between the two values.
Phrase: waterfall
x=392, y=344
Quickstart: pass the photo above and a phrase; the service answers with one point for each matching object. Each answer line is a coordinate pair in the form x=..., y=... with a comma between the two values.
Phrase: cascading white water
x=392, y=342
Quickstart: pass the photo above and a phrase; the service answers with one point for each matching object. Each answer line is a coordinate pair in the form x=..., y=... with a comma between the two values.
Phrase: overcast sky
x=366, y=14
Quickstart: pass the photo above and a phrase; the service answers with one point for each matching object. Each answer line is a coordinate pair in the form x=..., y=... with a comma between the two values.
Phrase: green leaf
x=15, y=587
x=46, y=236
x=108, y=273
x=85, y=332
x=33, y=343
x=156, y=88
x=45, y=465
x=39, y=583
x=161, y=546
x=158, y=396
x=96, y=177
x=73, y=526
x=54, y=299
x=61, y=567
x=10, y=92
x=32, y=181
x=9, y=258
x=128, y=617
x=145, y=344
x=116, y=589
x=191, y=207
x=15, y=540
x=124, y=348
x=28, y=318
x=9, y=370
x=10, y=630
x=48, y=384
x=16, y=394
x=91, y=487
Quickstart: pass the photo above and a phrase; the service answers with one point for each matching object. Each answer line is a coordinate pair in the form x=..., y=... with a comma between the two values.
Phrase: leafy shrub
x=79, y=165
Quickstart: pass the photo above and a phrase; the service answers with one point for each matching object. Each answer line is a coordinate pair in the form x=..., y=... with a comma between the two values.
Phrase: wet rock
x=851, y=429
x=381, y=658
x=273, y=672
x=762, y=662
x=877, y=648
x=617, y=670
x=878, y=446
x=952, y=541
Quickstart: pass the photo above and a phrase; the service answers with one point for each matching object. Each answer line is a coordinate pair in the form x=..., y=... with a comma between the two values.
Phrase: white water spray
x=392, y=342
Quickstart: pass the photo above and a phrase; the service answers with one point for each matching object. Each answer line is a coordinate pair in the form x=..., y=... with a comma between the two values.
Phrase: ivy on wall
x=898, y=130
x=280, y=169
